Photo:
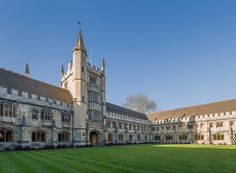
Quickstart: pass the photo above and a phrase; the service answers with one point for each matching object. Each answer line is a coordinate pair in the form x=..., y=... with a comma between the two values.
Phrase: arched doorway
x=94, y=138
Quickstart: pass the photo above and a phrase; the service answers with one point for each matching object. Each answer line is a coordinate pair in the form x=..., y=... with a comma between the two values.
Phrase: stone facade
x=212, y=128
x=35, y=114
x=21, y=116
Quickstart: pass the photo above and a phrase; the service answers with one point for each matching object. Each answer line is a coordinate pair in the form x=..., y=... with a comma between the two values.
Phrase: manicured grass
x=125, y=159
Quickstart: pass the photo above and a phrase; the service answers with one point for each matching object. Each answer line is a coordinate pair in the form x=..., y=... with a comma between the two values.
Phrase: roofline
x=126, y=108
x=192, y=106
x=28, y=78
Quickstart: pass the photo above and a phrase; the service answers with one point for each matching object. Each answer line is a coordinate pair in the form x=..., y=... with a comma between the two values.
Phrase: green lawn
x=131, y=158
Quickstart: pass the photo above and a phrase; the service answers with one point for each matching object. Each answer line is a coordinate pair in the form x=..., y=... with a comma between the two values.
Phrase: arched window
x=202, y=137
x=65, y=116
x=157, y=137
x=218, y=137
x=94, y=114
x=6, y=135
x=38, y=136
x=169, y=137
x=199, y=137
x=46, y=114
x=34, y=114
x=221, y=137
x=63, y=137
x=7, y=109
x=93, y=96
x=183, y=137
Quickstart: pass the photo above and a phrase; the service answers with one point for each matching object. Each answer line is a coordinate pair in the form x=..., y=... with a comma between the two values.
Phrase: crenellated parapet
x=93, y=69
x=127, y=118
x=32, y=99
x=198, y=118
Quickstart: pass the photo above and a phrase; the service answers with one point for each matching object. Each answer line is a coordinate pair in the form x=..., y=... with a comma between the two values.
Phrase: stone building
x=213, y=123
x=32, y=112
x=35, y=114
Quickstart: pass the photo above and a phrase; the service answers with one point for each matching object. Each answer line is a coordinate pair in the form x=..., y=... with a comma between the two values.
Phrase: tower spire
x=62, y=70
x=79, y=44
x=103, y=65
x=27, y=71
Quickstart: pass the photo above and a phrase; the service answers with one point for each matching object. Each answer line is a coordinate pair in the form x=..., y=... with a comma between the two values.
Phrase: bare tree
x=140, y=103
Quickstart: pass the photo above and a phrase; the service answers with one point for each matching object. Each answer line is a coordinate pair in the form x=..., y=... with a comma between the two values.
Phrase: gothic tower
x=75, y=80
x=80, y=92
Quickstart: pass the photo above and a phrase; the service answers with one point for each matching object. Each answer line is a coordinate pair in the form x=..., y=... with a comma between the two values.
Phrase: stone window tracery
x=65, y=116
x=38, y=136
x=7, y=109
x=63, y=137
x=34, y=114
x=218, y=137
x=183, y=137
x=46, y=114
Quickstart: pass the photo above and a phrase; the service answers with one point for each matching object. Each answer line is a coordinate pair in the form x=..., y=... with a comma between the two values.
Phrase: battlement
x=196, y=118
x=31, y=98
x=123, y=117
x=93, y=68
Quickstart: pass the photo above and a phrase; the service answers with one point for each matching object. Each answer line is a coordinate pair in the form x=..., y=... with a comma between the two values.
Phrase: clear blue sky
x=177, y=52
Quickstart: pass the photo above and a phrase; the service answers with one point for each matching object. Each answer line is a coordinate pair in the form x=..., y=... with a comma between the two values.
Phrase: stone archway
x=94, y=138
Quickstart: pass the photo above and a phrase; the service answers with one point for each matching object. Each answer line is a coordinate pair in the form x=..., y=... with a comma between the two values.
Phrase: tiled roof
x=20, y=82
x=124, y=111
x=204, y=109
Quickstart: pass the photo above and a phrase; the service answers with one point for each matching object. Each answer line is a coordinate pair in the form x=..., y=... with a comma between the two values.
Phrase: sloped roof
x=210, y=108
x=124, y=111
x=20, y=82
